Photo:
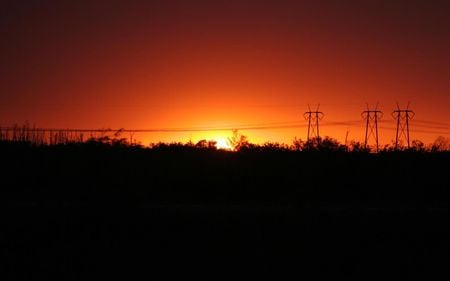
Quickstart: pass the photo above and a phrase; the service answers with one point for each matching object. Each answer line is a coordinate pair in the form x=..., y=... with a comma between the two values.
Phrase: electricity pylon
x=313, y=118
x=403, y=116
x=371, y=117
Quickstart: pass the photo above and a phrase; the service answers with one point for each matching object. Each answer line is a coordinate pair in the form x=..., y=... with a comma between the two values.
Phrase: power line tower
x=403, y=116
x=371, y=117
x=313, y=118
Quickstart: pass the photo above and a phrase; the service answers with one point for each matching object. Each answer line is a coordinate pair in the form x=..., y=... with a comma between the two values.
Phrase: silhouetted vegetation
x=172, y=210
x=239, y=142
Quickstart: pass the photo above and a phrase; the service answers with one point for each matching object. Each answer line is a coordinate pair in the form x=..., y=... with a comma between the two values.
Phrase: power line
x=419, y=131
x=249, y=127
x=432, y=122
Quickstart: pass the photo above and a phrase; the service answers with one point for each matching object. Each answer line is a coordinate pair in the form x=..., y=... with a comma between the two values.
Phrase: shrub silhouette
x=326, y=144
x=441, y=144
x=238, y=141
x=297, y=144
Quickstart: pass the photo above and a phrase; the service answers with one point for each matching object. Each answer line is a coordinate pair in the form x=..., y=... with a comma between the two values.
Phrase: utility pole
x=313, y=118
x=403, y=116
x=371, y=117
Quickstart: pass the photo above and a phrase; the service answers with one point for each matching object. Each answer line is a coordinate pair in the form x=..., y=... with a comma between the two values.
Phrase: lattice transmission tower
x=371, y=117
x=313, y=118
x=403, y=116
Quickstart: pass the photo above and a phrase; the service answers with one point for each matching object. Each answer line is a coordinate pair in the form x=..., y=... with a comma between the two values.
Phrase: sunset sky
x=225, y=64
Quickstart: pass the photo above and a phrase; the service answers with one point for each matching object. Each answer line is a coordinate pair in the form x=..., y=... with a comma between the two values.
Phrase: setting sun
x=222, y=143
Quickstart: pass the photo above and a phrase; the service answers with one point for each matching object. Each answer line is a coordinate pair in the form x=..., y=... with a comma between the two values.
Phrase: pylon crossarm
x=306, y=115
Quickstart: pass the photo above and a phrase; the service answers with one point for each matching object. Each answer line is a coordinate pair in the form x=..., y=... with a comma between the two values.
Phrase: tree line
x=238, y=142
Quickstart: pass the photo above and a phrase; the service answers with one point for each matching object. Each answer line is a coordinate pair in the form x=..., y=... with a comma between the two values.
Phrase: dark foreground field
x=96, y=212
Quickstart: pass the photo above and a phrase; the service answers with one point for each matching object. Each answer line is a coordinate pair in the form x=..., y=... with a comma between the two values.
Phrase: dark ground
x=92, y=211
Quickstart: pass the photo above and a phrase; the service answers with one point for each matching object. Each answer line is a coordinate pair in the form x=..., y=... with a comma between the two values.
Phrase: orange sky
x=189, y=64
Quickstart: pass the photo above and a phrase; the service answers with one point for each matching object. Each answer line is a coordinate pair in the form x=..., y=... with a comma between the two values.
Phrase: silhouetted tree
x=204, y=144
x=297, y=144
x=312, y=144
x=274, y=146
x=324, y=144
x=417, y=145
x=330, y=144
x=212, y=144
x=238, y=141
x=356, y=146
x=441, y=144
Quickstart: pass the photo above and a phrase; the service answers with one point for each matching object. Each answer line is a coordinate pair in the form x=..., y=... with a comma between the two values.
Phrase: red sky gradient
x=185, y=64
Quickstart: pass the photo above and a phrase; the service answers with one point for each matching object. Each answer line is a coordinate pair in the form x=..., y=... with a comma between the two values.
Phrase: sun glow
x=222, y=143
